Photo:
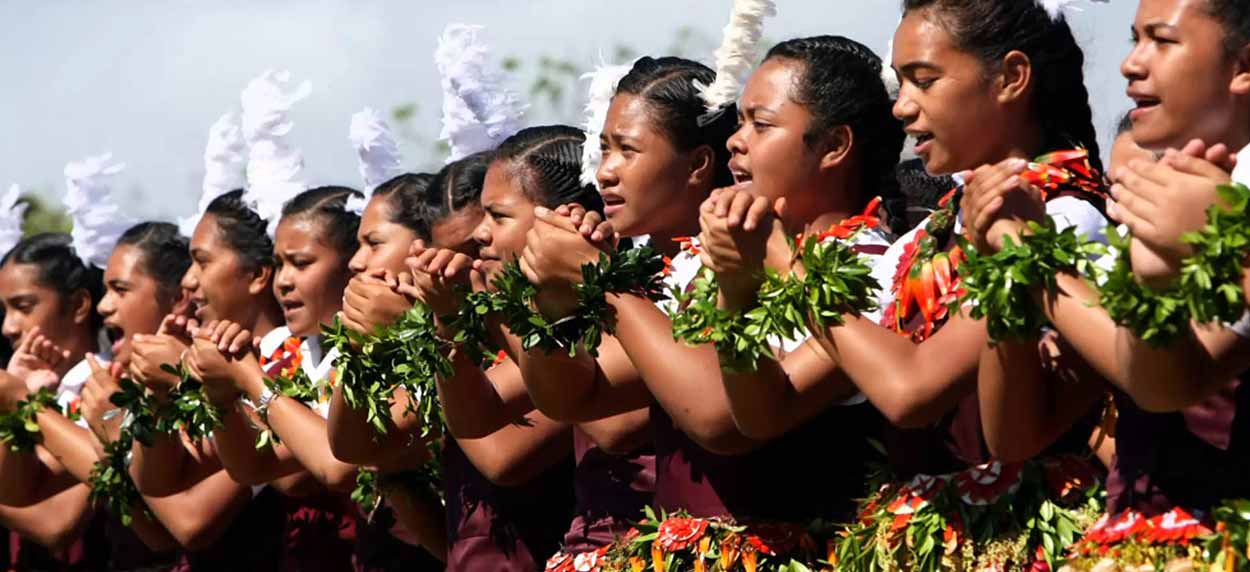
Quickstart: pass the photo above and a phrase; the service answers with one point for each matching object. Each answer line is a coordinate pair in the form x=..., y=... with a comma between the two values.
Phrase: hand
x=220, y=357
x=178, y=326
x=439, y=277
x=12, y=390
x=36, y=352
x=1160, y=202
x=372, y=301
x=998, y=202
x=148, y=354
x=96, y=398
x=590, y=224
x=555, y=250
x=741, y=235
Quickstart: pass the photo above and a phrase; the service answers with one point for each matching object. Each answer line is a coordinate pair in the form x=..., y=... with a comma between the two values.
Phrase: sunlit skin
x=644, y=178
x=1183, y=82
x=28, y=303
x=940, y=87
x=133, y=301
x=311, y=275
x=455, y=231
x=383, y=244
x=509, y=214
x=1123, y=150
x=220, y=287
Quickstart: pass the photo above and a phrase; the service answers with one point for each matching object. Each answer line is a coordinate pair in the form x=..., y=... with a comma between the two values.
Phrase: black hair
x=1125, y=124
x=242, y=230
x=1235, y=16
x=548, y=160
x=990, y=29
x=457, y=186
x=60, y=268
x=921, y=191
x=407, y=194
x=165, y=254
x=841, y=84
x=667, y=85
x=328, y=206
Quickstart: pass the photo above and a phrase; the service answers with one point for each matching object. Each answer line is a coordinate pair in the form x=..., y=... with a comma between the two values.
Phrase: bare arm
x=55, y=522
x=198, y=516
x=354, y=440
x=782, y=395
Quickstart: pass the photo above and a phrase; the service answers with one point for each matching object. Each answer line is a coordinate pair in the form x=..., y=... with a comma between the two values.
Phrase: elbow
x=246, y=475
x=1165, y=397
x=506, y=474
x=194, y=536
x=906, y=416
x=341, y=478
x=719, y=434
x=353, y=451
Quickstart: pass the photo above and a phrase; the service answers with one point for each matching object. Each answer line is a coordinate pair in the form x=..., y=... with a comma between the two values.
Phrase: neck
x=662, y=241
x=1027, y=142
x=833, y=204
x=267, y=320
x=80, y=346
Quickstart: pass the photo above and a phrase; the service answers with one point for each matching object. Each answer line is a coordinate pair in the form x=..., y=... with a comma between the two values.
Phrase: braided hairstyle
x=841, y=85
x=548, y=161
x=328, y=207
x=667, y=85
x=165, y=256
x=457, y=186
x=60, y=268
x=990, y=29
x=1235, y=16
x=242, y=229
x=406, y=194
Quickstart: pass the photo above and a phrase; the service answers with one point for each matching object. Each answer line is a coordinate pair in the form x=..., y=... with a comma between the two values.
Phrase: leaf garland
x=18, y=428
x=1156, y=317
x=635, y=271
x=998, y=285
x=371, y=486
x=188, y=407
x=110, y=479
x=297, y=386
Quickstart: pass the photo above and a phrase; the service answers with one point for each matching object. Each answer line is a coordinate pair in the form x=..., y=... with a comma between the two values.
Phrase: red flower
x=560, y=562
x=985, y=484
x=74, y=406
x=668, y=266
x=680, y=533
x=1111, y=530
x=687, y=244
x=774, y=538
x=1175, y=525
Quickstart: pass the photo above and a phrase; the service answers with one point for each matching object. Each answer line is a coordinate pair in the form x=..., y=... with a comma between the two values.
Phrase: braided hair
x=1235, y=16
x=165, y=256
x=328, y=206
x=667, y=85
x=458, y=186
x=841, y=85
x=242, y=229
x=990, y=29
x=548, y=162
x=406, y=194
x=60, y=268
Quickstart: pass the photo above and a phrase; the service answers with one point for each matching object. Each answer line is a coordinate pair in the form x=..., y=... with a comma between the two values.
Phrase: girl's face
x=28, y=303
x=648, y=185
x=455, y=231
x=1182, y=81
x=508, y=215
x=768, y=151
x=383, y=244
x=945, y=100
x=220, y=286
x=133, y=302
x=311, y=275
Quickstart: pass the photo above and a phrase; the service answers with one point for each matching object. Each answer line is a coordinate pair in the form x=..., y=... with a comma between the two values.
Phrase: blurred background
x=144, y=79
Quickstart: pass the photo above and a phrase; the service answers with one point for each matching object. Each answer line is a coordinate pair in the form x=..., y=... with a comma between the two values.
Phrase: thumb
x=781, y=207
x=477, y=280
x=94, y=364
x=548, y=216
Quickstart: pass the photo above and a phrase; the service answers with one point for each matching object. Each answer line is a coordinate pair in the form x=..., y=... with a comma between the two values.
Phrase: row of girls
x=548, y=460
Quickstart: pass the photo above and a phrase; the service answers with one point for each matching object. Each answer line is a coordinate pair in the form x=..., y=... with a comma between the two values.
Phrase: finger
x=416, y=247
x=167, y=323
x=987, y=215
x=94, y=364
x=527, y=266
x=545, y=215
x=459, y=264
x=1153, y=171
x=577, y=213
x=439, y=263
x=227, y=337
x=738, y=209
x=723, y=200
x=757, y=212
x=423, y=260
x=1195, y=148
x=242, y=340
x=355, y=302
x=563, y=210
x=603, y=232
x=1200, y=167
x=477, y=278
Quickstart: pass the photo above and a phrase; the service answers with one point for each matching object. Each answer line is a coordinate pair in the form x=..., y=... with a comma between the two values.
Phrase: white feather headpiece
x=274, y=165
x=11, y=216
x=98, y=221
x=478, y=112
x=376, y=151
x=603, y=82
x=225, y=159
x=1056, y=7
x=737, y=52
x=888, y=76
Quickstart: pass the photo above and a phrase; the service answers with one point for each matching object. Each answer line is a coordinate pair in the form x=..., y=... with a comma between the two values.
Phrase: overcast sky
x=145, y=78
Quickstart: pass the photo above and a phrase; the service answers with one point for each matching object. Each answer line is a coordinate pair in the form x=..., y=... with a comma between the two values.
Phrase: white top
x=270, y=342
x=70, y=388
x=318, y=365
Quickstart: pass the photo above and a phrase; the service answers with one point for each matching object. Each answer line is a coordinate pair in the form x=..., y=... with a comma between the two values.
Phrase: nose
x=1134, y=65
x=191, y=280
x=606, y=175
x=360, y=261
x=107, y=306
x=737, y=143
x=905, y=108
x=482, y=234
x=284, y=281
x=12, y=328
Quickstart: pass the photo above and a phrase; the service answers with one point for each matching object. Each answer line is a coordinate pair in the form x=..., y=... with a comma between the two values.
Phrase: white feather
x=11, y=216
x=1055, y=8
x=737, y=52
x=274, y=165
x=603, y=82
x=98, y=220
x=225, y=160
x=376, y=151
x=888, y=75
x=478, y=112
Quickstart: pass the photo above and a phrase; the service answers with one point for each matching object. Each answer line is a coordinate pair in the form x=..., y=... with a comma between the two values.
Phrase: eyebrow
x=1153, y=27
x=910, y=67
x=118, y=283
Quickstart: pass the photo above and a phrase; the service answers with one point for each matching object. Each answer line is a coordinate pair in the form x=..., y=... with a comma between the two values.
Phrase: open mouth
x=922, y=140
x=612, y=202
x=116, y=337
x=289, y=306
x=1143, y=103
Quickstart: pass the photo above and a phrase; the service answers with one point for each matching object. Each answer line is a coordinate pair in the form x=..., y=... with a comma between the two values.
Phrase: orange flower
x=668, y=266
x=750, y=560
x=729, y=550
x=699, y=564
x=657, y=558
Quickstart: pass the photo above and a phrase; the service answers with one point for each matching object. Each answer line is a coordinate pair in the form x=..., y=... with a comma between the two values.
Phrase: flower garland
x=1209, y=288
x=997, y=286
x=634, y=271
x=837, y=280
x=18, y=428
x=998, y=516
x=678, y=543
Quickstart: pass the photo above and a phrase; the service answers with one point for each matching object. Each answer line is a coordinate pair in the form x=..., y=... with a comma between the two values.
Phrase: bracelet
x=18, y=428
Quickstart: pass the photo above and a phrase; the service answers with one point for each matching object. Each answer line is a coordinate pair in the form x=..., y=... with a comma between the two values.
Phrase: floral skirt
x=1175, y=541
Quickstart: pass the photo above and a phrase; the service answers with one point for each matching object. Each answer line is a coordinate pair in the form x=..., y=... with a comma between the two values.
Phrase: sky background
x=144, y=79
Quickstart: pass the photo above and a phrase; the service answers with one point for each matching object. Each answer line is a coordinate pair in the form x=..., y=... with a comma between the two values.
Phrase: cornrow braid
x=242, y=229
x=328, y=206
x=165, y=254
x=406, y=195
x=548, y=160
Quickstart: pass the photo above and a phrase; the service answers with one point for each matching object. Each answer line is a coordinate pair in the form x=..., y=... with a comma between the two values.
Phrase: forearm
x=1014, y=400
x=199, y=515
x=303, y=433
x=620, y=434
x=73, y=446
x=1074, y=312
x=560, y=386
x=235, y=442
x=472, y=406
x=20, y=475
x=160, y=470
x=354, y=440
x=420, y=513
x=55, y=522
x=1200, y=361
x=150, y=530
x=516, y=454
x=782, y=395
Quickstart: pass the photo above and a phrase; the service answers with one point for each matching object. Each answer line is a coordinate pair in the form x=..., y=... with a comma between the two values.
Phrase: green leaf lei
x=18, y=428
x=371, y=486
x=188, y=408
x=110, y=479
x=999, y=284
x=837, y=281
x=298, y=387
x=637, y=270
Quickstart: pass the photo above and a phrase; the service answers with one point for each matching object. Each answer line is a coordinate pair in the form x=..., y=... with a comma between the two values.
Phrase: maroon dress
x=497, y=529
x=378, y=550
x=1193, y=459
x=611, y=492
x=252, y=543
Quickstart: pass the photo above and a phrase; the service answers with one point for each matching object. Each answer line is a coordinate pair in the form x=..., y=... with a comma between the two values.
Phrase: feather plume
x=376, y=151
x=274, y=165
x=12, y=213
x=98, y=220
x=478, y=112
x=737, y=53
x=225, y=159
x=603, y=82
x=1055, y=8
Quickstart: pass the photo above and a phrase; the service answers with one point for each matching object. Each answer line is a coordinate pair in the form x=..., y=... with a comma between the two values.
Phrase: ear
x=1014, y=78
x=82, y=307
x=181, y=304
x=837, y=144
x=1241, y=73
x=702, y=168
x=261, y=280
